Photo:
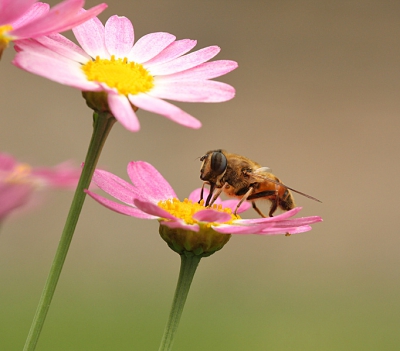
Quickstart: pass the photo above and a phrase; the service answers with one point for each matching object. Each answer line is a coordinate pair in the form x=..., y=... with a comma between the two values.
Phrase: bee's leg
x=215, y=197
x=202, y=191
x=212, y=188
x=274, y=206
x=258, y=210
x=244, y=198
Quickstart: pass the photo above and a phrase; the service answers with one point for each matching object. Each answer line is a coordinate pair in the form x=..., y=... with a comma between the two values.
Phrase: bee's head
x=213, y=167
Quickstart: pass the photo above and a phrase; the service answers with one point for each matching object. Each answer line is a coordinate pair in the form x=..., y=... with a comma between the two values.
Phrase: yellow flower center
x=186, y=209
x=4, y=38
x=126, y=77
x=20, y=174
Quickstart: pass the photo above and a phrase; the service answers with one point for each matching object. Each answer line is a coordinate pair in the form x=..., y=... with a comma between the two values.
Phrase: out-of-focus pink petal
x=210, y=215
x=60, y=18
x=181, y=225
x=123, y=112
x=13, y=196
x=172, y=112
x=193, y=91
x=149, y=46
x=38, y=9
x=55, y=69
x=119, y=36
x=120, y=208
x=185, y=62
x=144, y=176
x=90, y=35
x=116, y=187
x=153, y=209
x=64, y=175
x=7, y=162
x=206, y=70
x=172, y=51
x=11, y=10
x=58, y=14
x=79, y=18
x=64, y=47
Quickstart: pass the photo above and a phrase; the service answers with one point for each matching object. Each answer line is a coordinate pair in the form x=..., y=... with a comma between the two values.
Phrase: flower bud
x=186, y=242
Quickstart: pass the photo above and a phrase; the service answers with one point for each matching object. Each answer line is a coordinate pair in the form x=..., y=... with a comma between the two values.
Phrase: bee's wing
x=263, y=173
x=262, y=170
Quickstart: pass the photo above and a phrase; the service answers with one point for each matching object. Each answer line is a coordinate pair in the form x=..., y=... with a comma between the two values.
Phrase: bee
x=237, y=176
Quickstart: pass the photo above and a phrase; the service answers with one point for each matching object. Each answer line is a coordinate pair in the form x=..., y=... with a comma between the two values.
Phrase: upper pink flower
x=22, y=19
x=19, y=182
x=151, y=197
x=140, y=74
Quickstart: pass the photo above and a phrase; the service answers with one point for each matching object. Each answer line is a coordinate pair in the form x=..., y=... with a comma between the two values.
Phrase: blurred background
x=317, y=101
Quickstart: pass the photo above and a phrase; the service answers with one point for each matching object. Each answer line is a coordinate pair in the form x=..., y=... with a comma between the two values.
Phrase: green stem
x=186, y=274
x=101, y=127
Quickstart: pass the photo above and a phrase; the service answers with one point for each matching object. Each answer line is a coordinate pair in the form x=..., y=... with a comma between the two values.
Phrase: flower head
x=19, y=182
x=30, y=19
x=129, y=74
x=187, y=226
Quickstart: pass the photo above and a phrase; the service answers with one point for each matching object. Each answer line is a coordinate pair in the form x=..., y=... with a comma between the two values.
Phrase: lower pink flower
x=151, y=197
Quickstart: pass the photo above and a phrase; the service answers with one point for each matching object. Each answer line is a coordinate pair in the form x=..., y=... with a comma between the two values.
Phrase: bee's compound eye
x=218, y=162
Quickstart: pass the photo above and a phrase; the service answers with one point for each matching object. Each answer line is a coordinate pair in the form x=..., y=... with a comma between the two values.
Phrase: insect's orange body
x=240, y=177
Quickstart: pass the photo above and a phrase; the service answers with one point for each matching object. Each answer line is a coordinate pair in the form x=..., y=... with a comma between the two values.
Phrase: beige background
x=317, y=101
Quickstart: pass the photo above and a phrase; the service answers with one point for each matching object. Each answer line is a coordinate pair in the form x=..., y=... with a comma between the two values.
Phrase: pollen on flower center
x=20, y=174
x=127, y=77
x=4, y=38
x=186, y=209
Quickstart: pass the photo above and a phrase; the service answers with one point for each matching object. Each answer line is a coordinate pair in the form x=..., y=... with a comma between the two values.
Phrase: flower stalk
x=102, y=125
x=188, y=267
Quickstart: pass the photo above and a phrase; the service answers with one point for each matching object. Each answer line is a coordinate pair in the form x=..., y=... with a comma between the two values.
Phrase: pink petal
x=123, y=209
x=280, y=217
x=185, y=62
x=11, y=10
x=82, y=17
x=61, y=17
x=172, y=112
x=172, y=51
x=206, y=70
x=210, y=215
x=149, y=46
x=144, y=176
x=64, y=175
x=288, y=230
x=7, y=162
x=90, y=35
x=64, y=47
x=12, y=197
x=193, y=91
x=56, y=69
x=298, y=221
x=123, y=112
x=119, y=36
x=153, y=209
x=181, y=225
x=116, y=187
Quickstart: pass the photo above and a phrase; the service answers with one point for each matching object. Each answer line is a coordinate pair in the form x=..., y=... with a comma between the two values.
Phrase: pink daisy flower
x=151, y=197
x=22, y=19
x=132, y=74
x=19, y=182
